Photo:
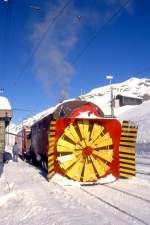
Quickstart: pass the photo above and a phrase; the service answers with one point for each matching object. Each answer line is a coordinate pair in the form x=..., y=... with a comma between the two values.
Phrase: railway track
x=118, y=205
x=143, y=167
x=127, y=193
x=129, y=207
x=143, y=176
x=143, y=173
x=142, y=157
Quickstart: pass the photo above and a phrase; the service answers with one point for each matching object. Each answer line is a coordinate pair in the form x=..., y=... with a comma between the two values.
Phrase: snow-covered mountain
x=133, y=87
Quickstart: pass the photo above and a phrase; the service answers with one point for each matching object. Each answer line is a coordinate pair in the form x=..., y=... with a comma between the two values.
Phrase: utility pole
x=110, y=77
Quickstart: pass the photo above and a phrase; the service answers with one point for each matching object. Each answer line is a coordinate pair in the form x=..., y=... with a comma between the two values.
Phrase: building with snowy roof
x=5, y=110
x=121, y=100
x=5, y=117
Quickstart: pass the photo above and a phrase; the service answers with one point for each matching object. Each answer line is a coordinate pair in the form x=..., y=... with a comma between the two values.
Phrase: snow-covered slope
x=101, y=96
x=141, y=115
x=133, y=87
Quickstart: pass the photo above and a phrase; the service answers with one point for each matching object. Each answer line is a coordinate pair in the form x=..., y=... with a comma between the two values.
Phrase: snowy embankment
x=141, y=116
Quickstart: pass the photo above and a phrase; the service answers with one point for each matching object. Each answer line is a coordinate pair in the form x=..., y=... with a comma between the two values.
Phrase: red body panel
x=39, y=136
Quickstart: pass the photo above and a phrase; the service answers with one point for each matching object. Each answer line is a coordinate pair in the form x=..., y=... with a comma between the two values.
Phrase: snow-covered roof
x=4, y=103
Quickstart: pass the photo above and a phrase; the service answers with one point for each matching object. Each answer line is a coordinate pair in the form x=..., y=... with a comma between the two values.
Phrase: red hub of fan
x=87, y=150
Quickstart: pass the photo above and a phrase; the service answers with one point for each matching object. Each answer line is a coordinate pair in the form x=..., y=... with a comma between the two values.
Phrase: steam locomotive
x=78, y=141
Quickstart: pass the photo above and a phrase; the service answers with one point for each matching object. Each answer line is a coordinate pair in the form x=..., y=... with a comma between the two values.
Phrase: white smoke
x=52, y=63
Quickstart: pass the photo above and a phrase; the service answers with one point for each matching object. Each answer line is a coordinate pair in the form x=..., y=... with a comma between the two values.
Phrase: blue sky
x=42, y=56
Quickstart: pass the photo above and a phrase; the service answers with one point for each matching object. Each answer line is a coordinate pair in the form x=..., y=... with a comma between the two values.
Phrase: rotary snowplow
x=86, y=150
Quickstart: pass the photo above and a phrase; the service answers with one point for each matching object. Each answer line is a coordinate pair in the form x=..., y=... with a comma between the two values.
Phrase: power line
x=94, y=36
x=52, y=21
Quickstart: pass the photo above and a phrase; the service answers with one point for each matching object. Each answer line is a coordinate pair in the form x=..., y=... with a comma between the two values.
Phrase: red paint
x=87, y=150
x=86, y=108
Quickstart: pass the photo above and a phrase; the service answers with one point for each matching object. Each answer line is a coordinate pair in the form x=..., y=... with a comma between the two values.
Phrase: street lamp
x=110, y=77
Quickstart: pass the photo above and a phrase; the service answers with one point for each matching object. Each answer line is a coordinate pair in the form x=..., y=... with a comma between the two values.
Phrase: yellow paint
x=99, y=166
x=127, y=171
x=126, y=175
x=104, y=154
x=68, y=162
x=68, y=134
x=52, y=133
x=127, y=165
x=129, y=134
x=128, y=139
x=96, y=132
x=49, y=176
x=74, y=133
x=128, y=160
x=89, y=173
x=104, y=140
x=84, y=128
x=127, y=143
x=129, y=129
x=51, y=139
x=127, y=156
x=53, y=122
x=65, y=143
x=123, y=149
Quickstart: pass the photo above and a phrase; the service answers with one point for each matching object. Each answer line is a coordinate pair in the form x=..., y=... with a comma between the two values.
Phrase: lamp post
x=110, y=77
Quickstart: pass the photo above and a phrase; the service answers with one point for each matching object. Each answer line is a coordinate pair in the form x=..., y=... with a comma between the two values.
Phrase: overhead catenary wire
x=51, y=22
x=94, y=36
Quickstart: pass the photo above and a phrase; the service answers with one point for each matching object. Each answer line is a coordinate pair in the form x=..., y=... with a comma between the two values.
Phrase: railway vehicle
x=78, y=141
x=23, y=139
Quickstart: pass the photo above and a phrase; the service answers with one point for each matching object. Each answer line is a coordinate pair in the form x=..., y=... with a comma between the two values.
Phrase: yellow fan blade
x=99, y=166
x=64, y=150
x=79, y=146
x=64, y=143
x=89, y=173
x=82, y=143
x=75, y=171
x=74, y=133
x=67, y=161
x=84, y=128
x=68, y=134
x=96, y=131
x=104, y=154
x=103, y=141
x=104, y=164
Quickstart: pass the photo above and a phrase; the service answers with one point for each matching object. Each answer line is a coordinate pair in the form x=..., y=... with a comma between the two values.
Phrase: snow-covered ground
x=27, y=198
